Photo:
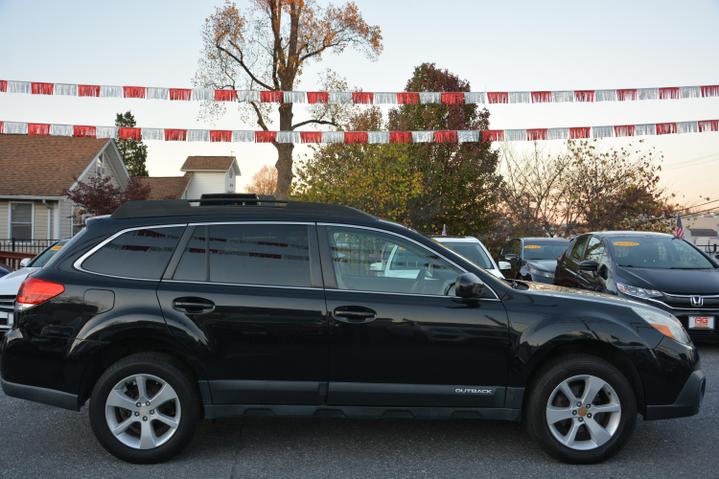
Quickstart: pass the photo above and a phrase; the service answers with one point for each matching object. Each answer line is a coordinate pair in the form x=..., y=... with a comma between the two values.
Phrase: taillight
x=34, y=291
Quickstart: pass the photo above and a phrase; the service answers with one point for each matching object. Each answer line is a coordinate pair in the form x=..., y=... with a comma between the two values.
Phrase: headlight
x=638, y=292
x=665, y=323
x=535, y=271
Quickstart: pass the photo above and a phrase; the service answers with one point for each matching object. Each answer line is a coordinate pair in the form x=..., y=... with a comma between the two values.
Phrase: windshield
x=472, y=251
x=40, y=260
x=538, y=249
x=658, y=252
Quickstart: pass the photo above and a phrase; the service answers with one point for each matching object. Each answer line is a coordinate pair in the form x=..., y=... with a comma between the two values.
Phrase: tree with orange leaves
x=267, y=46
x=264, y=182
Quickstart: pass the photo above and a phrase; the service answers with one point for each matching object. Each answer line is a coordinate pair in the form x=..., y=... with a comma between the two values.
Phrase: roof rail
x=233, y=204
x=237, y=199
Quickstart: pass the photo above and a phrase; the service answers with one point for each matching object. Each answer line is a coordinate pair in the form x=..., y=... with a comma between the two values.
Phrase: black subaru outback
x=168, y=312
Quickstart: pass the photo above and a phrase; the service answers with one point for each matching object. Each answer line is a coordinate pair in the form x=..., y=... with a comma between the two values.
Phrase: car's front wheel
x=581, y=409
x=144, y=409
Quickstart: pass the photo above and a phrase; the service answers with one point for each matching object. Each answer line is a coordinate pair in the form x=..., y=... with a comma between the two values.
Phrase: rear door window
x=256, y=254
x=140, y=254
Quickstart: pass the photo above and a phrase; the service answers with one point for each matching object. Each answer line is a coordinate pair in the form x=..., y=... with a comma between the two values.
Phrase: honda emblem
x=697, y=301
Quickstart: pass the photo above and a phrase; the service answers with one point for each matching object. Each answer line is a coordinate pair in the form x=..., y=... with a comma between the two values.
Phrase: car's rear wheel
x=144, y=408
x=581, y=409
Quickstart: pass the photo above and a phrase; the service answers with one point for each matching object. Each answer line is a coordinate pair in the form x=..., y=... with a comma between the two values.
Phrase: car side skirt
x=214, y=411
x=228, y=398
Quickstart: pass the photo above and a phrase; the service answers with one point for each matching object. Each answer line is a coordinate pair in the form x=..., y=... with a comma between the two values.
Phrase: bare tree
x=533, y=190
x=264, y=182
x=268, y=46
x=585, y=187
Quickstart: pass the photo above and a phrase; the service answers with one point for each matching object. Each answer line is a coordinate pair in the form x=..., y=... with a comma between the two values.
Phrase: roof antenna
x=444, y=230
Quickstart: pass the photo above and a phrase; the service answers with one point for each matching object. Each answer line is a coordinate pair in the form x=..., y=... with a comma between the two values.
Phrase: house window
x=100, y=170
x=21, y=221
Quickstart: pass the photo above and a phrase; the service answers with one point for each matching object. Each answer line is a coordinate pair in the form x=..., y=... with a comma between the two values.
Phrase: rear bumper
x=41, y=395
x=686, y=404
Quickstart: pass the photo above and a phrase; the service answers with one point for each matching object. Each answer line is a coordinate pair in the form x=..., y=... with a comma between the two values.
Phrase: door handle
x=193, y=305
x=354, y=315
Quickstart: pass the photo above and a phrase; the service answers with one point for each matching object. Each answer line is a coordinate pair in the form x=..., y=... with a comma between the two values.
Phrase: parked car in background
x=655, y=268
x=532, y=259
x=472, y=249
x=10, y=283
x=169, y=312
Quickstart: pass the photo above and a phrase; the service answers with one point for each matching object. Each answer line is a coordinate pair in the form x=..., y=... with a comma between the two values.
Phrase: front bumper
x=686, y=404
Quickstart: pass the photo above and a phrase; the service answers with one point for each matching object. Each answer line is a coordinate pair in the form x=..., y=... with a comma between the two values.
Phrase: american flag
x=679, y=228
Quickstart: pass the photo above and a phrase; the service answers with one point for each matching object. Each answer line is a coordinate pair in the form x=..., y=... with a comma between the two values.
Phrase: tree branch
x=317, y=122
x=241, y=62
x=260, y=119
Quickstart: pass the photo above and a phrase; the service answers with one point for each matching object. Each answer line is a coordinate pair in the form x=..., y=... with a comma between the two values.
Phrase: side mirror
x=504, y=266
x=588, y=265
x=511, y=257
x=376, y=267
x=25, y=262
x=468, y=286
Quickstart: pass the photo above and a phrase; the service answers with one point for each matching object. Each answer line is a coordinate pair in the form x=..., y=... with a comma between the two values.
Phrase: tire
x=145, y=434
x=548, y=405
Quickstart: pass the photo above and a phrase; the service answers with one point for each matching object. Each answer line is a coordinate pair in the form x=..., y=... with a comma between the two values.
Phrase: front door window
x=366, y=260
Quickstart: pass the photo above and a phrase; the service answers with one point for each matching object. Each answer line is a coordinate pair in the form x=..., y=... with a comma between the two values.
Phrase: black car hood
x=578, y=294
x=676, y=281
x=548, y=265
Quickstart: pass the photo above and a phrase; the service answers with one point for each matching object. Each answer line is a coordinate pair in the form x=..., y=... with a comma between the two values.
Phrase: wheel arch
x=131, y=344
x=593, y=347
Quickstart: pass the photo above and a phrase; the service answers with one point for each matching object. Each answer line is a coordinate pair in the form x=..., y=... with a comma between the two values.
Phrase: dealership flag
x=679, y=230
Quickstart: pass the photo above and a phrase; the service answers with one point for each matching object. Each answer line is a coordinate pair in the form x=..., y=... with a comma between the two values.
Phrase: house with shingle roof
x=203, y=174
x=35, y=173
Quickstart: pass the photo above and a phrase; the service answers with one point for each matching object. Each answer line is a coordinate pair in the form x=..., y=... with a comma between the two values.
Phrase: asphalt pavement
x=45, y=442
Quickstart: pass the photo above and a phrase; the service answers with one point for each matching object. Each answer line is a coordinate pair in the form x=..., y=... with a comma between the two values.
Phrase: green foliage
x=423, y=186
x=134, y=152
x=379, y=179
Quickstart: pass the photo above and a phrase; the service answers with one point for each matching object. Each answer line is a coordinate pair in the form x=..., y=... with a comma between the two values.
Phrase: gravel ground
x=41, y=441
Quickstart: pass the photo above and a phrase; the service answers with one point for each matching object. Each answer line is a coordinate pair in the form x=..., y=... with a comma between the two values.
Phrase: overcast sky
x=507, y=45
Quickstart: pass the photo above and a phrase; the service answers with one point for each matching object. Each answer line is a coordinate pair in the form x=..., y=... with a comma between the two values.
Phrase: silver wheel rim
x=142, y=411
x=583, y=412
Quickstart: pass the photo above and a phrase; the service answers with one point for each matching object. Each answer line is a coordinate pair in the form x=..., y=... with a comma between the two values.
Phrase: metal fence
x=712, y=249
x=31, y=247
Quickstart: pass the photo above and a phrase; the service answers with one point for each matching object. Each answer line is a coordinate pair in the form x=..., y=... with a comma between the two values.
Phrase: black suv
x=655, y=268
x=171, y=311
x=532, y=259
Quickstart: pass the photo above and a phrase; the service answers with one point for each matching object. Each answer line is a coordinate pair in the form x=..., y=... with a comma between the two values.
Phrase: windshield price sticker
x=533, y=246
x=626, y=243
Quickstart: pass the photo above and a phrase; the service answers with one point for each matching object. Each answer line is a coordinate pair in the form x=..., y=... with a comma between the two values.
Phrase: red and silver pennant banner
x=359, y=97
x=357, y=137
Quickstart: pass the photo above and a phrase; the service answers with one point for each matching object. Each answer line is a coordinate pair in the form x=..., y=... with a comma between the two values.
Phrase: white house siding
x=206, y=182
x=230, y=186
x=66, y=208
x=39, y=221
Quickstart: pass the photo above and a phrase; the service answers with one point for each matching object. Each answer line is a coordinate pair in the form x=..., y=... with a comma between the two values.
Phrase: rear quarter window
x=140, y=254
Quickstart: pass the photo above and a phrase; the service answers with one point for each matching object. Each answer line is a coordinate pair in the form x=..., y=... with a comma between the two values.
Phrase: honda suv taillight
x=34, y=291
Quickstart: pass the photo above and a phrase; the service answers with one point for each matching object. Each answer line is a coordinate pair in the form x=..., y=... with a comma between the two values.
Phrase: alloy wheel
x=583, y=412
x=142, y=411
